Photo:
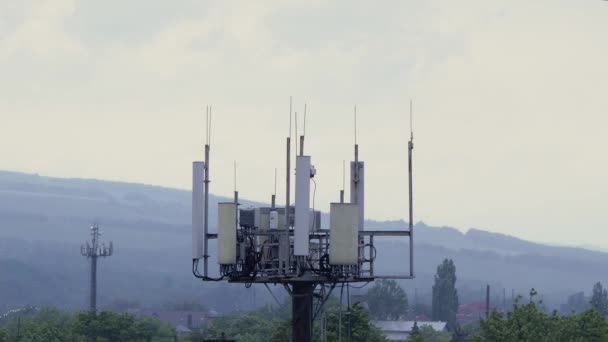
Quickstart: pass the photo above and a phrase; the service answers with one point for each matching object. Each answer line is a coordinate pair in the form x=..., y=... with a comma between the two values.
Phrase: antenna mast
x=287, y=246
x=284, y=233
x=206, y=181
x=275, y=181
x=410, y=147
x=303, y=133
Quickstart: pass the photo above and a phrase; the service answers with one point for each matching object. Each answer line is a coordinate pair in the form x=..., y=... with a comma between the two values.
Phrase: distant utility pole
x=93, y=251
x=487, y=301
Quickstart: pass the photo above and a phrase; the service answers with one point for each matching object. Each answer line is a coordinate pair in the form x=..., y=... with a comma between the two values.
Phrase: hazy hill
x=43, y=221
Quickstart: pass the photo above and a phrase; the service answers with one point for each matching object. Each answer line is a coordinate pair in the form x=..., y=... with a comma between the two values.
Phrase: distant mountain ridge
x=43, y=220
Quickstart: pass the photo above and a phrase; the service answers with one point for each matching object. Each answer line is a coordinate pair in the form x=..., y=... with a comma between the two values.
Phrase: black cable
x=195, y=268
x=198, y=275
x=331, y=289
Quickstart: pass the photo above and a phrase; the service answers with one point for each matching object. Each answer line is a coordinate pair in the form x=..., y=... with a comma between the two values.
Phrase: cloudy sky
x=510, y=101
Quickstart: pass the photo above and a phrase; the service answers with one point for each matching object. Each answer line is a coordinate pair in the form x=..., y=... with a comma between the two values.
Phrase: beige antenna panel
x=344, y=233
x=226, y=233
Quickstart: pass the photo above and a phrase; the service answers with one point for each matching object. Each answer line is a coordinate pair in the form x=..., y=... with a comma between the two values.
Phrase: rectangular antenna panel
x=198, y=210
x=226, y=233
x=262, y=218
x=247, y=217
x=274, y=220
x=315, y=220
x=343, y=240
x=302, y=220
x=357, y=190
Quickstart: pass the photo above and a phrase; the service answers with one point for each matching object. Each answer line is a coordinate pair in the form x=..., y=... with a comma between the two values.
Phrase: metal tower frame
x=268, y=255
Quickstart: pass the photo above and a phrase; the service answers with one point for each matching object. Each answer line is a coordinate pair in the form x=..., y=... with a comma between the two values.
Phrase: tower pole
x=410, y=147
x=301, y=315
x=487, y=301
x=93, y=291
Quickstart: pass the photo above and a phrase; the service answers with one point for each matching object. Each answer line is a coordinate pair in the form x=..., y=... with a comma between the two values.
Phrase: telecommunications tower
x=93, y=251
x=287, y=245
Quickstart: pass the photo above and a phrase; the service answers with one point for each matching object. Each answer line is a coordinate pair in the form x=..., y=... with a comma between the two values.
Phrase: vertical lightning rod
x=284, y=235
x=303, y=133
x=207, y=181
x=410, y=147
x=274, y=194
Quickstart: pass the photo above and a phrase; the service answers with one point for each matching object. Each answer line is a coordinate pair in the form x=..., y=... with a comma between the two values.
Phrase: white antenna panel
x=226, y=233
x=343, y=219
x=302, y=219
x=274, y=220
x=198, y=210
x=261, y=219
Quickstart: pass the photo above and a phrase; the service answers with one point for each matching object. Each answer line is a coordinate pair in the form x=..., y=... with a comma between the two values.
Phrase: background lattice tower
x=92, y=251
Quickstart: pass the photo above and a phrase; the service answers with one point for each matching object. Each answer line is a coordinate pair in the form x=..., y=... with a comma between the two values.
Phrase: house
x=182, y=330
x=401, y=330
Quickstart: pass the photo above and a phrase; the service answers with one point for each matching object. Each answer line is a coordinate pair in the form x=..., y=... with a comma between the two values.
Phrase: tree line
x=527, y=320
x=54, y=325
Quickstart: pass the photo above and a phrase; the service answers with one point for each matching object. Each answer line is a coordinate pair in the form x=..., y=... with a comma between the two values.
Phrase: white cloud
x=42, y=32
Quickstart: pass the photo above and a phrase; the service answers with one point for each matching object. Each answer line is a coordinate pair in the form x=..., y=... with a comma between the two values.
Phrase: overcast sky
x=510, y=101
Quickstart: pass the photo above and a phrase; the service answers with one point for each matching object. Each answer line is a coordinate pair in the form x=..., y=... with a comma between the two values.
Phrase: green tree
x=415, y=335
x=530, y=322
x=445, y=295
x=386, y=301
x=197, y=335
x=266, y=325
x=46, y=324
x=248, y=328
x=281, y=331
x=355, y=322
x=5, y=335
x=599, y=299
x=148, y=328
x=113, y=327
x=461, y=333
x=587, y=326
x=49, y=324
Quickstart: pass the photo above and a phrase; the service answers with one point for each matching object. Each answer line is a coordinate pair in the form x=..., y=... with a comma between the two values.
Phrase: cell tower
x=286, y=245
x=93, y=251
